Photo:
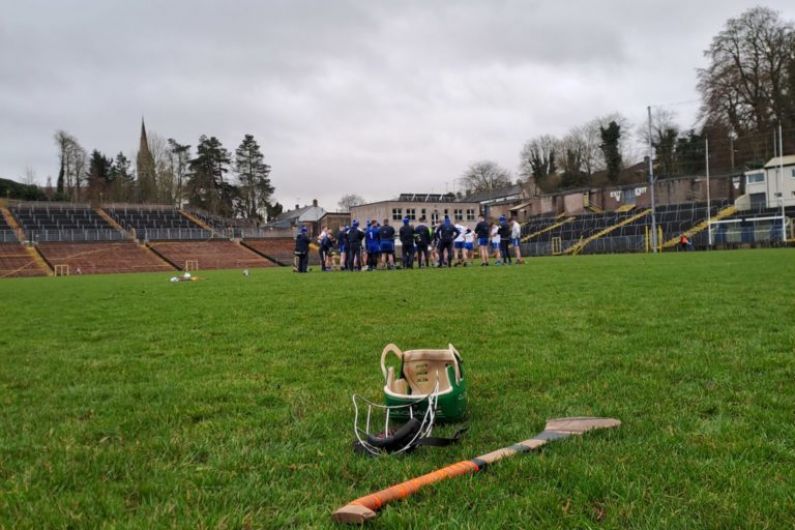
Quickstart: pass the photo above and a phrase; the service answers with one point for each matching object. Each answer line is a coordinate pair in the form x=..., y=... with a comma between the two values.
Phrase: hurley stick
x=365, y=508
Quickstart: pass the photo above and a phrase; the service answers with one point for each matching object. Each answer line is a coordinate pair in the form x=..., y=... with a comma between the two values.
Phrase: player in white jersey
x=495, y=242
x=469, y=245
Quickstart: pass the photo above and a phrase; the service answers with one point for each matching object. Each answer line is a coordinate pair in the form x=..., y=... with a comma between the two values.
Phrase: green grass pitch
x=131, y=402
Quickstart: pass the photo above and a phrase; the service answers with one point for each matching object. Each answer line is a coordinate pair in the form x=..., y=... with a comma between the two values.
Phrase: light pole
x=651, y=186
x=732, y=139
x=781, y=183
x=709, y=203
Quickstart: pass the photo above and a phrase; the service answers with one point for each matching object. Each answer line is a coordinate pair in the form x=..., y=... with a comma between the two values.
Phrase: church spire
x=145, y=165
x=144, y=144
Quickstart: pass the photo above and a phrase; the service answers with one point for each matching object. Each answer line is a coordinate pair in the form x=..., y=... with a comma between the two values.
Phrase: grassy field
x=130, y=402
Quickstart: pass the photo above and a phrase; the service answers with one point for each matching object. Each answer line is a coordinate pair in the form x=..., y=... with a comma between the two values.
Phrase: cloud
x=372, y=97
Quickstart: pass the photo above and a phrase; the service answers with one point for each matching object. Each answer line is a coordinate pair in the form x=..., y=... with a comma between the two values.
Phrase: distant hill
x=10, y=189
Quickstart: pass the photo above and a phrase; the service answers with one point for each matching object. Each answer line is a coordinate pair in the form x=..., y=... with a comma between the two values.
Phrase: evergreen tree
x=611, y=137
x=665, y=152
x=99, y=176
x=273, y=210
x=122, y=179
x=206, y=175
x=690, y=153
x=179, y=156
x=253, y=173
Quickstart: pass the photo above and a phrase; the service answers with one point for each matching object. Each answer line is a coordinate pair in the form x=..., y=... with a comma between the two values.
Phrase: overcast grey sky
x=371, y=97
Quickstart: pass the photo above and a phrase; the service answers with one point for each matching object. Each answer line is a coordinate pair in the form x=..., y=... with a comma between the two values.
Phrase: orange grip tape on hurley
x=400, y=491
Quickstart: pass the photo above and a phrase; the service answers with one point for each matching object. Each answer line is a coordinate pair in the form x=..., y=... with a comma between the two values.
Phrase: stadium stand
x=54, y=222
x=210, y=254
x=161, y=223
x=631, y=236
x=102, y=258
x=16, y=261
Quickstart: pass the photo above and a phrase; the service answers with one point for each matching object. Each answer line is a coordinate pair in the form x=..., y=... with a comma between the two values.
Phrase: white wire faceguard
x=426, y=420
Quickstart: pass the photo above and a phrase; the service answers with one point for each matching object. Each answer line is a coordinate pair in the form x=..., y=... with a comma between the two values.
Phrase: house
x=308, y=216
x=500, y=201
x=334, y=220
x=763, y=187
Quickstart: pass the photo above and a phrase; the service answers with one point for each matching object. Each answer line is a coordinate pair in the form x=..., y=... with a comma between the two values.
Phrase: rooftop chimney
x=296, y=206
x=314, y=202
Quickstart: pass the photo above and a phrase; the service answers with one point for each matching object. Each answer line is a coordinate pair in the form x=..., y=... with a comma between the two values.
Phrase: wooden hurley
x=366, y=508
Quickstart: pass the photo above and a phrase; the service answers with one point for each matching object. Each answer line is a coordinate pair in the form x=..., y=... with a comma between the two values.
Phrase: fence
x=604, y=245
x=8, y=236
x=52, y=236
x=262, y=233
x=165, y=234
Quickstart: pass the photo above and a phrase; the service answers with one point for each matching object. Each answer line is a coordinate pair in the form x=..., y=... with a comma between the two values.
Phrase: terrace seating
x=212, y=254
x=673, y=219
x=7, y=234
x=281, y=250
x=102, y=258
x=15, y=261
x=63, y=223
x=537, y=223
x=157, y=223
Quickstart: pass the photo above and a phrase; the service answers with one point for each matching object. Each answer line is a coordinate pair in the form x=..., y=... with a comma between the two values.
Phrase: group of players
x=445, y=244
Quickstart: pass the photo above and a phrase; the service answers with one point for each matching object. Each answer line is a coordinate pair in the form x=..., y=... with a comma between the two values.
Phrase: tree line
x=168, y=172
x=747, y=91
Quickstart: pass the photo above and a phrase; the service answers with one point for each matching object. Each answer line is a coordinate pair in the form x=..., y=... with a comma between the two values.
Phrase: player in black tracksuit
x=505, y=240
x=422, y=236
x=355, y=238
x=302, y=249
x=482, y=232
x=406, y=235
x=447, y=233
x=342, y=242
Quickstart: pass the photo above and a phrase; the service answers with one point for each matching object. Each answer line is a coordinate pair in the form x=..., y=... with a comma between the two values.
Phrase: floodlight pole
x=709, y=202
x=651, y=185
x=781, y=183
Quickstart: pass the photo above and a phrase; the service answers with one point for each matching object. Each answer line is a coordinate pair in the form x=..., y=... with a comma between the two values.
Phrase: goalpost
x=61, y=270
x=191, y=265
x=761, y=230
x=556, y=244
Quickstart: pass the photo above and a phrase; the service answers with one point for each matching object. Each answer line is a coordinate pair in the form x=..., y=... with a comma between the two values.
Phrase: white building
x=763, y=187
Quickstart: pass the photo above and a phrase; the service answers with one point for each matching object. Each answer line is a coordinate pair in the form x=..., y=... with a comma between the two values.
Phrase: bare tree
x=538, y=162
x=165, y=178
x=30, y=177
x=574, y=150
x=664, y=135
x=78, y=162
x=64, y=141
x=744, y=88
x=349, y=201
x=485, y=176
